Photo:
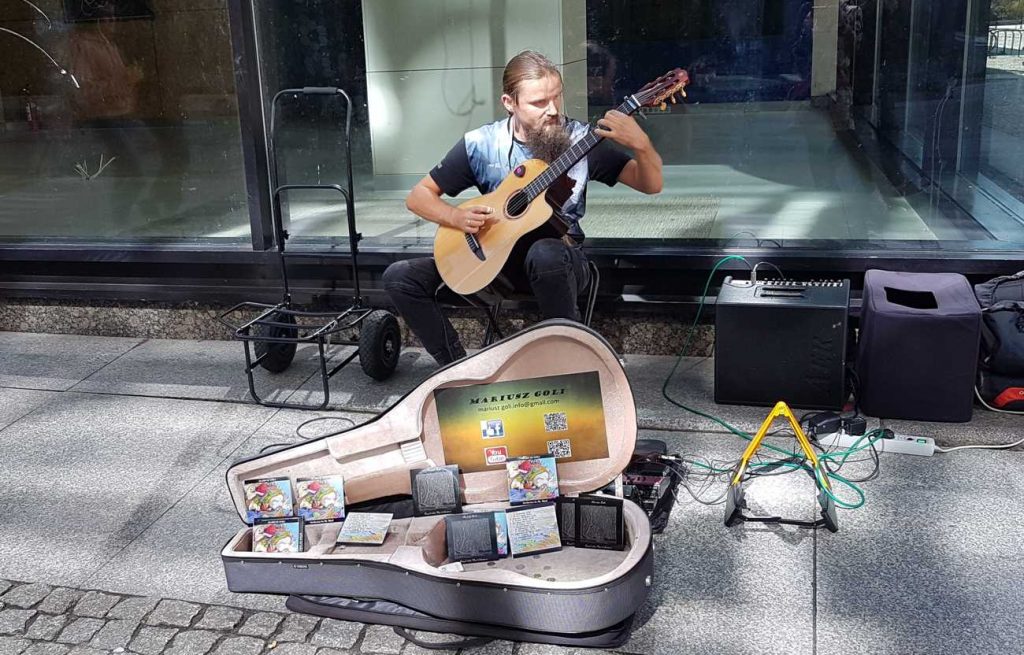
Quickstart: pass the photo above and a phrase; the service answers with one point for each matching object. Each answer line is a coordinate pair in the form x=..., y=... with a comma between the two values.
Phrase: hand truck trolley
x=277, y=330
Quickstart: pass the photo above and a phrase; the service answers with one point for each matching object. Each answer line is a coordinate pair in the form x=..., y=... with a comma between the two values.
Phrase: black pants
x=557, y=273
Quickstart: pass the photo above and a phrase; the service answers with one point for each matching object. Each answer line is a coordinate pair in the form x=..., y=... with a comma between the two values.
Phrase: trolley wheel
x=380, y=343
x=279, y=355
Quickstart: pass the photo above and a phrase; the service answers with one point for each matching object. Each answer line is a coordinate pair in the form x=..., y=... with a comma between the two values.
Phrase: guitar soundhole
x=516, y=205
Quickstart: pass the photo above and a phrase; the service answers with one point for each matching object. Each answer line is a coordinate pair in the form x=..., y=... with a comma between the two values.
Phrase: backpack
x=1000, y=384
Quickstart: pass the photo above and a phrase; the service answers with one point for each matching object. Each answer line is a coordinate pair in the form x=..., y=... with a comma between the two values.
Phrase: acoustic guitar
x=469, y=262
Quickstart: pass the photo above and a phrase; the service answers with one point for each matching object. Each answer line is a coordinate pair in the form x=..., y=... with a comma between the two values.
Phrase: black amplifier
x=782, y=340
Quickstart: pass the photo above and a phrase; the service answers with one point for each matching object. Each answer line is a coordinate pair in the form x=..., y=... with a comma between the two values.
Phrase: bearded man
x=555, y=269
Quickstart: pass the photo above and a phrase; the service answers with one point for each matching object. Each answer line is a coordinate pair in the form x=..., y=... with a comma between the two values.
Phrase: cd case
x=274, y=535
x=321, y=500
x=566, y=509
x=472, y=537
x=364, y=529
x=532, y=530
x=268, y=498
x=532, y=479
x=599, y=523
x=436, y=491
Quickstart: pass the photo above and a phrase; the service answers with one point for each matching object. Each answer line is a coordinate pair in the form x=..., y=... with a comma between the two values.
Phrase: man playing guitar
x=556, y=269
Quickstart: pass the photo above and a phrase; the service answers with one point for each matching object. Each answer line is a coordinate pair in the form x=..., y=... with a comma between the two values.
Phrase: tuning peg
x=663, y=106
x=672, y=98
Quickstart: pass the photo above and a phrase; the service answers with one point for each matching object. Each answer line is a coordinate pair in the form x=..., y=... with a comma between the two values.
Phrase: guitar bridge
x=474, y=245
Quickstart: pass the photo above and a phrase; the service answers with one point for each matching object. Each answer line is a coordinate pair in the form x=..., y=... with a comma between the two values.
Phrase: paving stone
x=336, y=634
x=499, y=647
x=219, y=618
x=133, y=608
x=13, y=645
x=46, y=627
x=240, y=646
x=174, y=612
x=81, y=631
x=4, y=586
x=60, y=600
x=46, y=649
x=382, y=639
x=26, y=595
x=296, y=627
x=193, y=642
x=115, y=634
x=261, y=624
x=86, y=650
x=413, y=649
x=12, y=621
x=294, y=649
x=96, y=604
x=151, y=641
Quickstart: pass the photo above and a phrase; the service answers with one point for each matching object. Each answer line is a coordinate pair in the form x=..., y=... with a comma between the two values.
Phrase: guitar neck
x=575, y=153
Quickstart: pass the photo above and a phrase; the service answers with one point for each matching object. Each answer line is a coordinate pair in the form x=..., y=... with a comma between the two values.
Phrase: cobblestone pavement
x=37, y=619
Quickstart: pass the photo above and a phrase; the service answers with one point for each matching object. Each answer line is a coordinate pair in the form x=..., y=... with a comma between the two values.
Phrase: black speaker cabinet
x=782, y=340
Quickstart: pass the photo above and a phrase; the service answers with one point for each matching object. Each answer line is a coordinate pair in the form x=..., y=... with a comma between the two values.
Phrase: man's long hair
x=527, y=65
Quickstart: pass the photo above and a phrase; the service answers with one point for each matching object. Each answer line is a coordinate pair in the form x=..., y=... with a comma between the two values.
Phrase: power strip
x=901, y=443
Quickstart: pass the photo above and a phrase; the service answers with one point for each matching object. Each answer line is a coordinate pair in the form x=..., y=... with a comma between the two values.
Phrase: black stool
x=491, y=298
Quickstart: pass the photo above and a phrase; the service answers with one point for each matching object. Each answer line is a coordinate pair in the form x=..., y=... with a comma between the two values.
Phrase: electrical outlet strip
x=901, y=443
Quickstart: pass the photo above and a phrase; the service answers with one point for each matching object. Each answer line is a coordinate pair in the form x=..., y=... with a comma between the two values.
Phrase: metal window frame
x=216, y=270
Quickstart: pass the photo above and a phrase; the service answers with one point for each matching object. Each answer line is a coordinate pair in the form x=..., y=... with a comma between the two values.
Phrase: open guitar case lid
x=575, y=596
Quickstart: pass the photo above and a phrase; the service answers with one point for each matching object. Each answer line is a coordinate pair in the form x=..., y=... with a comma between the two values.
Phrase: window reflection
x=146, y=145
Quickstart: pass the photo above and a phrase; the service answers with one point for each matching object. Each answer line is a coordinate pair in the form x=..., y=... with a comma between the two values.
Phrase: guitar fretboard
x=575, y=153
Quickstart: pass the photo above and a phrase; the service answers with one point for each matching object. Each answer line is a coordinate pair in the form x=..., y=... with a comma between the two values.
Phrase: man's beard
x=548, y=142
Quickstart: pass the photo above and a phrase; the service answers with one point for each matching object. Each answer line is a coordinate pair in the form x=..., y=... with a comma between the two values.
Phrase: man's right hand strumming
x=471, y=219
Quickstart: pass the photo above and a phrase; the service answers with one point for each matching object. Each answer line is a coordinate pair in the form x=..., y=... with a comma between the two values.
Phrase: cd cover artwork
x=277, y=535
x=501, y=529
x=533, y=530
x=321, y=500
x=364, y=529
x=436, y=491
x=471, y=537
x=532, y=479
x=599, y=523
x=566, y=508
x=268, y=498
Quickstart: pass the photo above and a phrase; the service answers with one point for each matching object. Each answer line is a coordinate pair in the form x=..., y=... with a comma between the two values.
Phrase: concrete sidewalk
x=113, y=453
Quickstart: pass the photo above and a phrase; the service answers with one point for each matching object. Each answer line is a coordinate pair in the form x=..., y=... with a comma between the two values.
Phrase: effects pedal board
x=646, y=484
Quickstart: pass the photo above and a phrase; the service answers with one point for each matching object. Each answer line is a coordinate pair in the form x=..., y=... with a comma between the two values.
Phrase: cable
x=792, y=459
x=302, y=437
x=993, y=409
x=753, y=272
x=298, y=430
x=984, y=446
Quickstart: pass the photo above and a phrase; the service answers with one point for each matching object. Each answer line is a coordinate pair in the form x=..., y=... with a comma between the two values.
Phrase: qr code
x=555, y=422
x=559, y=448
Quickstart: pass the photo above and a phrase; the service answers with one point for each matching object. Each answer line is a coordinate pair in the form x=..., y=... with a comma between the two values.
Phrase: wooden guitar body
x=466, y=268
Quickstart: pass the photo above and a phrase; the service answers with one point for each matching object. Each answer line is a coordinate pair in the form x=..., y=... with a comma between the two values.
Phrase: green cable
x=831, y=457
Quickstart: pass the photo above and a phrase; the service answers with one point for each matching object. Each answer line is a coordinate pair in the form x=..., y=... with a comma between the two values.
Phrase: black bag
x=1001, y=367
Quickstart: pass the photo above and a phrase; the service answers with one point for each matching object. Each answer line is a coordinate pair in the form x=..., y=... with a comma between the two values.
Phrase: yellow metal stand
x=734, y=499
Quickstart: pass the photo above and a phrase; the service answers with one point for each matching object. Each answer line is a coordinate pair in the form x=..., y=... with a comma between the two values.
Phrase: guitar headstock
x=665, y=88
